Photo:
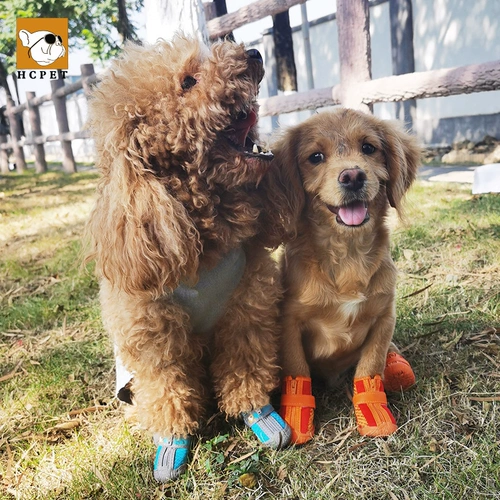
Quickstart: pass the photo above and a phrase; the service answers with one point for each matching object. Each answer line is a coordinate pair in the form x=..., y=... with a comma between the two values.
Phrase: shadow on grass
x=31, y=251
x=51, y=179
x=33, y=201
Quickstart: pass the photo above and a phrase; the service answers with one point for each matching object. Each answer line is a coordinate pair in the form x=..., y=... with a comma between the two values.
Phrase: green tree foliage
x=97, y=24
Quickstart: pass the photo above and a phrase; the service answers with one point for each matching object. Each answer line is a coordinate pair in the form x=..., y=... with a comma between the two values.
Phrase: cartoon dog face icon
x=44, y=46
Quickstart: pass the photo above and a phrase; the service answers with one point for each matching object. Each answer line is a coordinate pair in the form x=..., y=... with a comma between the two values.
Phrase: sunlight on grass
x=40, y=212
x=63, y=436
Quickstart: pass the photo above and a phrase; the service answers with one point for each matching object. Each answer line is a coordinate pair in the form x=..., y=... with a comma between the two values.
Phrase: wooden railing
x=356, y=88
x=58, y=96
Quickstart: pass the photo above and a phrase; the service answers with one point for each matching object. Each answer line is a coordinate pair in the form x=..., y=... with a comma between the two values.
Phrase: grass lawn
x=63, y=436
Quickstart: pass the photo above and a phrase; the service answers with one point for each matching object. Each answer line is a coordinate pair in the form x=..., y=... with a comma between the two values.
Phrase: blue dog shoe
x=270, y=429
x=171, y=458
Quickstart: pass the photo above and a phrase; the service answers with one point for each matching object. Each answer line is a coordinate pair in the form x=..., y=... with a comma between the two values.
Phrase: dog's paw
x=370, y=406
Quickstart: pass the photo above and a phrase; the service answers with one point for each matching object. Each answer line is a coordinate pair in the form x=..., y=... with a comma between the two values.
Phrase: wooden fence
x=356, y=88
x=58, y=97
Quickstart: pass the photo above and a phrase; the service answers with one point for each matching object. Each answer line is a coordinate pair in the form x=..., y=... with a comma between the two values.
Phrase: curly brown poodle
x=348, y=168
x=186, y=214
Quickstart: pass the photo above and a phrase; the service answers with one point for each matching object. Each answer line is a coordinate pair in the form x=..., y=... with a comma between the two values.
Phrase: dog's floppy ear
x=403, y=155
x=286, y=174
x=143, y=239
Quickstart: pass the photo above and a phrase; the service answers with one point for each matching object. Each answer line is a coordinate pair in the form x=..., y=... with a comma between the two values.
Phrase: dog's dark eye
x=367, y=148
x=188, y=82
x=316, y=158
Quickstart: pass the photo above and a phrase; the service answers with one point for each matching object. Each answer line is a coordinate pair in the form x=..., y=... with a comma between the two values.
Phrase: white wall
x=450, y=33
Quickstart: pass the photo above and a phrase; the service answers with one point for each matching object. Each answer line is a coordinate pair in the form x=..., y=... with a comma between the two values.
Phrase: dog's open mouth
x=237, y=135
x=353, y=214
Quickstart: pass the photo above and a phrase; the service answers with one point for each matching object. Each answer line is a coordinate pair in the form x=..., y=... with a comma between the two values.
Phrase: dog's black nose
x=255, y=54
x=352, y=179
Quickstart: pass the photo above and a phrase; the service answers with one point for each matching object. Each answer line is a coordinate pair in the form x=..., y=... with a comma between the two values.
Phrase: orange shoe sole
x=398, y=374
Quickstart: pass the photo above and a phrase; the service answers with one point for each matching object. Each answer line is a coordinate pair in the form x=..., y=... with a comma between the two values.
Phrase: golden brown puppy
x=345, y=168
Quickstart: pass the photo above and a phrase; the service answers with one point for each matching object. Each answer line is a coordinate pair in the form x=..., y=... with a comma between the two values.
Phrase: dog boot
x=171, y=458
x=398, y=375
x=370, y=406
x=270, y=429
x=297, y=408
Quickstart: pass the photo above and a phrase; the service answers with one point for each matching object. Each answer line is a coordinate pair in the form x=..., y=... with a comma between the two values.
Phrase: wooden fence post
x=86, y=70
x=403, y=57
x=36, y=130
x=353, y=22
x=68, y=159
x=4, y=157
x=15, y=137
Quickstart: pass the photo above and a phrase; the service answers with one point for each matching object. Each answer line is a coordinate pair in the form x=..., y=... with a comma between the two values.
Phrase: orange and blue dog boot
x=297, y=408
x=270, y=429
x=398, y=374
x=370, y=407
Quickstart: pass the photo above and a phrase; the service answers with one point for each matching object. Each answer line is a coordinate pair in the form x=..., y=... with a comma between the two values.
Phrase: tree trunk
x=16, y=88
x=221, y=10
x=3, y=80
x=15, y=137
x=283, y=49
x=124, y=27
x=164, y=18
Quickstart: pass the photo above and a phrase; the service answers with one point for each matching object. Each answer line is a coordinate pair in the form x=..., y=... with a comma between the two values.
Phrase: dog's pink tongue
x=242, y=127
x=353, y=214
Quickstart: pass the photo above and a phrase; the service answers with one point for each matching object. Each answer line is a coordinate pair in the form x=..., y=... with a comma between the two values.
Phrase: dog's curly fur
x=176, y=194
x=339, y=306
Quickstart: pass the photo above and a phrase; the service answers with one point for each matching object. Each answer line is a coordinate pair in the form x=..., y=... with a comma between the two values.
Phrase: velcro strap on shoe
x=252, y=417
x=300, y=400
x=370, y=397
x=173, y=442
